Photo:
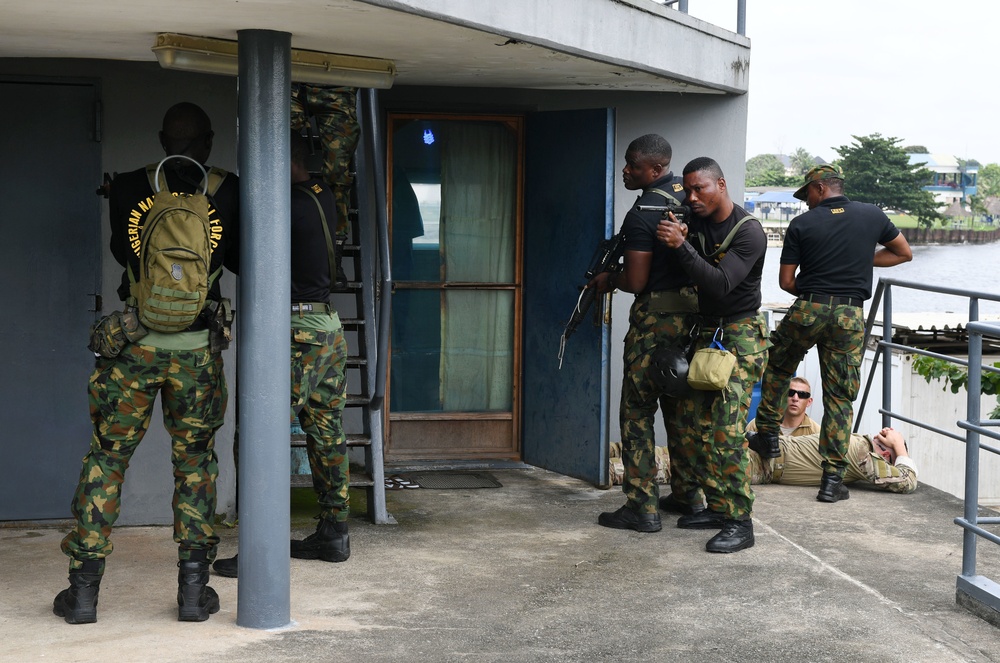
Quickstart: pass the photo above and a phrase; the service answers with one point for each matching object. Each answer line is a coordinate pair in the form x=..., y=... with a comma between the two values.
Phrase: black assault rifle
x=680, y=212
x=606, y=258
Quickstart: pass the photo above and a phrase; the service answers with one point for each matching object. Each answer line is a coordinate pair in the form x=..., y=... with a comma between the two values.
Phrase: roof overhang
x=559, y=44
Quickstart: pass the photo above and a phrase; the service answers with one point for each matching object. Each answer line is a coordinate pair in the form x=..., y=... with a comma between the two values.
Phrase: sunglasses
x=799, y=393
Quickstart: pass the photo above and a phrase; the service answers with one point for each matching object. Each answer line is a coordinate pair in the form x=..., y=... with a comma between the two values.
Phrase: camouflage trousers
x=319, y=393
x=192, y=390
x=838, y=334
x=712, y=423
x=335, y=110
x=650, y=328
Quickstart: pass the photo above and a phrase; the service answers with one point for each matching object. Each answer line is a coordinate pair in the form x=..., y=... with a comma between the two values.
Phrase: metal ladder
x=365, y=261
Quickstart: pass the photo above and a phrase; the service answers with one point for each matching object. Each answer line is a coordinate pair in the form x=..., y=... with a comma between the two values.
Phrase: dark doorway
x=51, y=262
x=455, y=219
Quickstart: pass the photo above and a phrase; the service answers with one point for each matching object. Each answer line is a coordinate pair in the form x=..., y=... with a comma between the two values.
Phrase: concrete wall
x=941, y=460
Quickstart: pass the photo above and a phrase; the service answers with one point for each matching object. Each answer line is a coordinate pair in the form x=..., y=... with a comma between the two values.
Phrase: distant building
x=951, y=182
x=768, y=202
x=790, y=170
x=775, y=207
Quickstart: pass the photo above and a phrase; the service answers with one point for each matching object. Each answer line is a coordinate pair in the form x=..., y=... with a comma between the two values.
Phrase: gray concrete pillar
x=265, y=283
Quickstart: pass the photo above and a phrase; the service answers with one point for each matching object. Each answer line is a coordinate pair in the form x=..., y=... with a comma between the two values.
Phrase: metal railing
x=970, y=587
x=973, y=591
x=376, y=291
x=741, y=12
x=376, y=150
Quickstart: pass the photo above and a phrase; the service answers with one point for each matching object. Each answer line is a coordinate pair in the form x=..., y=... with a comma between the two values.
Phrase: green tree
x=802, y=161
x=988, y=180
x=988, y=185
x=915, y=149
x=766, y=170
x=957, y=377
x=878, y=171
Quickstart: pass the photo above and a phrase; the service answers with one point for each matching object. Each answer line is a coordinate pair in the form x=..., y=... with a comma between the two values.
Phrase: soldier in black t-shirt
x=318, y=363
x=833, y=248
x=724, y=256
x=663, y=298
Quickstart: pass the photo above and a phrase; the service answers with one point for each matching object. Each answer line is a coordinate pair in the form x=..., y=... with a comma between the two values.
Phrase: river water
x=968, y=266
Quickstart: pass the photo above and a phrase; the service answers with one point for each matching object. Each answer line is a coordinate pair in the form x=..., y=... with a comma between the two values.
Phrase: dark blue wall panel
x=568, y=210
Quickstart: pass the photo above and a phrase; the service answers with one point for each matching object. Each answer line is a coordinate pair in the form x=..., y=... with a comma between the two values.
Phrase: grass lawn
x=903, y=220
x=907, y=221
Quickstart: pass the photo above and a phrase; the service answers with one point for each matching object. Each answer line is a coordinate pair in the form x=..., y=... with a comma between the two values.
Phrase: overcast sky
x=821, y=72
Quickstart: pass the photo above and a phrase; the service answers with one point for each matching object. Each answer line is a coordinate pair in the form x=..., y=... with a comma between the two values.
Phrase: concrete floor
x=523, y=573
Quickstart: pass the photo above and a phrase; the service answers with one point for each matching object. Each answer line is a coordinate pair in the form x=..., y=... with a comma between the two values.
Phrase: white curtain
x=478, y=222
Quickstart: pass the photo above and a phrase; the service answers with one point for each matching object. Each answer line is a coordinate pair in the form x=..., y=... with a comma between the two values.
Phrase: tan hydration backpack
x=175, y=253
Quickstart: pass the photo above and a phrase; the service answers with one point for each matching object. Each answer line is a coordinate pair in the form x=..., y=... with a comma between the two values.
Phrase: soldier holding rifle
x=663, y=298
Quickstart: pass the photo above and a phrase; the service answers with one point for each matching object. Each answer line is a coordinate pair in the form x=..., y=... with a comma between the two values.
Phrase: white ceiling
x=426, y=51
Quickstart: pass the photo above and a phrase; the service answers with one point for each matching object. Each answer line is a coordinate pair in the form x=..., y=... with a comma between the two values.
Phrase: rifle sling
x=670, y=199
x=725, y=243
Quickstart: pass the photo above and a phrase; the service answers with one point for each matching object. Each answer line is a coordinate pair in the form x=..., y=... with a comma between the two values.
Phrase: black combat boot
x=832, y=489
x=78, y=603
x=195, y=599
x=626, y=518
x=228, y=567
x=765, y=444
x=735, y=535
x=330, y=543
x=704, y=519
x=686, y=507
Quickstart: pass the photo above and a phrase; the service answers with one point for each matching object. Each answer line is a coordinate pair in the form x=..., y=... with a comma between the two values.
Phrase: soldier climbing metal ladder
x=329, y=116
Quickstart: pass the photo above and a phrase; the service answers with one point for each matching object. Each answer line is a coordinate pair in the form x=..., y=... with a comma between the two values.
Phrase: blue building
x=952, y=181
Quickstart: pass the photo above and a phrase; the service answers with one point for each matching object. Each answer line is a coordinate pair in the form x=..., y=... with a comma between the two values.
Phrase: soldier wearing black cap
x=831, y=247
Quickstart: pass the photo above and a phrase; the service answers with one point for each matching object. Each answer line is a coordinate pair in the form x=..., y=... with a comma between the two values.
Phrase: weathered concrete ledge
x=919, y=236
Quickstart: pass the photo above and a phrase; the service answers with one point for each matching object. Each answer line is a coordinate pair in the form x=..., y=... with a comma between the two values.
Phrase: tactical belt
x=832, y=300
x=672, y=301
x=311, y=307
x=707, y=320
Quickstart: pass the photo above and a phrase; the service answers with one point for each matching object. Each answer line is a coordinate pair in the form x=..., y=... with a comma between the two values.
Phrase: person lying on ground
x=881, y=461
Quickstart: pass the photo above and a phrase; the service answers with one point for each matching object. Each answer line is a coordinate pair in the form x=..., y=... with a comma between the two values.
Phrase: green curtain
x=477, y=235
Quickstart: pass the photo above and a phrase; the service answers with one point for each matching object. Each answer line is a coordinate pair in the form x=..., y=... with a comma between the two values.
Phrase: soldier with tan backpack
x=174, y=225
